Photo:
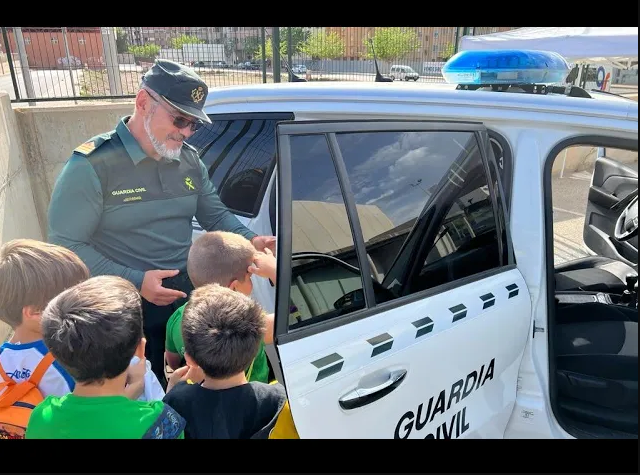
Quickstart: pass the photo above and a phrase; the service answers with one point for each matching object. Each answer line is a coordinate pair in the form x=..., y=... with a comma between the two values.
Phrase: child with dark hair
x=222, y=332
x=93, y=330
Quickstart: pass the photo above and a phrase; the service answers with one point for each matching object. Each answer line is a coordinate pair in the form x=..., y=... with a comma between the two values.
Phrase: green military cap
x=180, y=86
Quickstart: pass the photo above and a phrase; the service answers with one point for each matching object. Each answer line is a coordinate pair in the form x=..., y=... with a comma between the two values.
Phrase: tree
x=144, y=51
x=392, y=43
x=122, y=42
x=251, y=44
x=298, y=36
x=320, y=45
x=178, y=42
x=229, y=48
x=447, y=52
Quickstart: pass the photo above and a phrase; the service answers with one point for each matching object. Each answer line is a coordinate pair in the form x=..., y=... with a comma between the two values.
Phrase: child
x=223, y=331
x=94, y=329
x=227, y=259
x=32, y=273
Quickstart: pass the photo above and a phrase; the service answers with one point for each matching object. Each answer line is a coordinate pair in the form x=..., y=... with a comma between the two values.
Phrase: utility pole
x=275, y=39
x=111, y=59
x=263, y=42
x=24, y=65
x=66, y=50
x=289, y=53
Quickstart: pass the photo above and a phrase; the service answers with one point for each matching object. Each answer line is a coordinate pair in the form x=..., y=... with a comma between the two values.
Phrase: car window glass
x=421, y=197
x=238, y=155
x=325, y=280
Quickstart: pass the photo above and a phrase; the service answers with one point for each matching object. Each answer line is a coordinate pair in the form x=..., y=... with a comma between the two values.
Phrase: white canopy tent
x=617, y=46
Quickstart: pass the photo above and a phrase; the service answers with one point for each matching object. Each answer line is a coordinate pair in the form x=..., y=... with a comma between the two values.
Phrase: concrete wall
x=49, y=135
x=580, y=158
x=17, y=208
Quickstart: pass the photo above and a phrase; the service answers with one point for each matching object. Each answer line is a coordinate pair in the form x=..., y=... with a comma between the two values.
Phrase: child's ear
x=189, y=360
x=31, y=314
x=234, y=285
x=140, y=348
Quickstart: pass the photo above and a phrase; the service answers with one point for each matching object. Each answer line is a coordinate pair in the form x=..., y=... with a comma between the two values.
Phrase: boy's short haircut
x=93, y=328
x=222, y=330
x=32, y=273
x=219, y=257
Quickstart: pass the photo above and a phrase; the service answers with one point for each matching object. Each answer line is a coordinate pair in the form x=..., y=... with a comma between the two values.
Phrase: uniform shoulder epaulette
x=90, y=146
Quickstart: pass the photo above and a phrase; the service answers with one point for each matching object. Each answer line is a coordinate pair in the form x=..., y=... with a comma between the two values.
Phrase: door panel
x=393, y=353
x=461, y=350
x=612, y=181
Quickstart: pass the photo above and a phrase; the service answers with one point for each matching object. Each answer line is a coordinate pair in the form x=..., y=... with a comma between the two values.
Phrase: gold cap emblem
x=197, y=94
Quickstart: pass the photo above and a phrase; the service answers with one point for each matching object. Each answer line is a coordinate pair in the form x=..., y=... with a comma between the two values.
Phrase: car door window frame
x=277, y=117
x=329, y=128
x=506, y=176
x=490, y=162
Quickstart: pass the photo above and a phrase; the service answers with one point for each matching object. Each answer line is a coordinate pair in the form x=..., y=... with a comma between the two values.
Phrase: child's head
x=222, y=258
x=31, y=274
x=222, y=331
x=94, y=328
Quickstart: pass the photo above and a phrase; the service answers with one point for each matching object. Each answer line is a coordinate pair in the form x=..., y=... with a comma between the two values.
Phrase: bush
x=144, y=52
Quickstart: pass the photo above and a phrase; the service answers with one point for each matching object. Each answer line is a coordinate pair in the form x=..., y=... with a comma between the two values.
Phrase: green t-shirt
x=103, y=417
x=174, y=343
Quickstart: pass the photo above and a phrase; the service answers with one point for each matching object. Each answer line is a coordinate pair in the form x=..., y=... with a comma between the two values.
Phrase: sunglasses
x=179, y=121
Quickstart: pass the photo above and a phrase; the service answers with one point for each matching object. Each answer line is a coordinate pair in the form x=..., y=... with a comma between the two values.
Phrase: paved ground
x=570, y=195
x=46, y=83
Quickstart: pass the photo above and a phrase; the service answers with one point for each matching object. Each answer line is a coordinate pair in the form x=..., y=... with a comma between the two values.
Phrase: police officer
x=125, y=199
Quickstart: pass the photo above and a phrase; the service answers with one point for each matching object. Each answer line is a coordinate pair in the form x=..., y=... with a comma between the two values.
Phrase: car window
x=424, y=207
x=325, y=280
x=239, y=154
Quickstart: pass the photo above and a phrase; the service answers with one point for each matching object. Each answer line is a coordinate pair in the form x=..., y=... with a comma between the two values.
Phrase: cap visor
x=188, y=110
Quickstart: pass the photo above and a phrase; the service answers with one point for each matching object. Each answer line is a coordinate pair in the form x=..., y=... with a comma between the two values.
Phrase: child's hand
x=135, y=379
x=264, y=265
x=136, y=372
x=194, y=374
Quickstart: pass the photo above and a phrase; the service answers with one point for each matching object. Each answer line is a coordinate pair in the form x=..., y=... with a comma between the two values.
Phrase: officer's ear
x=142, y=100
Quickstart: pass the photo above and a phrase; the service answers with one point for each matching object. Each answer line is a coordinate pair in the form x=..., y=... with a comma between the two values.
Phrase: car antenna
x=292, y=76
x=379, y=77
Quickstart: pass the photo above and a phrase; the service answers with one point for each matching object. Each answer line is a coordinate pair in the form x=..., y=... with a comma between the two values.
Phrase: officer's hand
x=264, y=242
x=154, y=292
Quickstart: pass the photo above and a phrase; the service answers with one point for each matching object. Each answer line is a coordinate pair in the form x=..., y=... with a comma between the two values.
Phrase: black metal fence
x=73, y=63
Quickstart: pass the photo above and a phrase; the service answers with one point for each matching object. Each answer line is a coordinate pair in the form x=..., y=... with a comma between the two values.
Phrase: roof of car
x=305, y=95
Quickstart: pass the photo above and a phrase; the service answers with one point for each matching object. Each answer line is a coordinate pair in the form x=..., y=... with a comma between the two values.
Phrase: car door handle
x=362, y=396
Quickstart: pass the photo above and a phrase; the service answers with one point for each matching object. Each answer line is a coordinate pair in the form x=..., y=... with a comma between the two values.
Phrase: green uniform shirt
x=124, y=213
x=259, y=371
x=104, y=417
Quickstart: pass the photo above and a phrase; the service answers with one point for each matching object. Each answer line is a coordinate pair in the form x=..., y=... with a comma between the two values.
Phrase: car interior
x=594, y=340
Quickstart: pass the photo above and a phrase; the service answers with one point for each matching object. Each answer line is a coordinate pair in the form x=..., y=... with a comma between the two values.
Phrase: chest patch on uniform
x=188, y=182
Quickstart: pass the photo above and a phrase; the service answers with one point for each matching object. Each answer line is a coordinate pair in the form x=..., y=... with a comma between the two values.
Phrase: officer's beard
x=160, y=148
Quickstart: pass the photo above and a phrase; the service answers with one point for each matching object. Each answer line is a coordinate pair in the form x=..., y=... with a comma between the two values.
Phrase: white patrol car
x=417, y=295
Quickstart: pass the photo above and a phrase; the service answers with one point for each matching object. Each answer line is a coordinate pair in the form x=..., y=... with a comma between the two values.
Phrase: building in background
x=45, y=47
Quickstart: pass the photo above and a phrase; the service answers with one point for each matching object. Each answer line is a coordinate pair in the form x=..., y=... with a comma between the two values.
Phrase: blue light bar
x=505, y=67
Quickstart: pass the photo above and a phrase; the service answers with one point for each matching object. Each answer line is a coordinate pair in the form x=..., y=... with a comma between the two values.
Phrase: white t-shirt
x=20, y=360
x=152, y=389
